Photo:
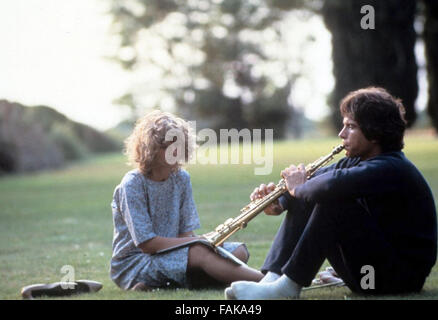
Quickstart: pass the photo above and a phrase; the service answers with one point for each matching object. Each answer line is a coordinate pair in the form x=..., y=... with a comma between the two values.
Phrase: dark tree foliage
x=380, y=57
x=229, y=35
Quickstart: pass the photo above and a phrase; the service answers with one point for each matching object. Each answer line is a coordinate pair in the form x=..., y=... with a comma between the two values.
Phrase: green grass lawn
x=57, y=218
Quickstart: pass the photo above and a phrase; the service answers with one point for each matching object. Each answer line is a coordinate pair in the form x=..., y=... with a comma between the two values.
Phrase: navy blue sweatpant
x=349, y=237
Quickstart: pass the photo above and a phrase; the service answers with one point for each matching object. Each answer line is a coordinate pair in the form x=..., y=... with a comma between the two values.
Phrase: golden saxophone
x=225, y=230
x=232, y=225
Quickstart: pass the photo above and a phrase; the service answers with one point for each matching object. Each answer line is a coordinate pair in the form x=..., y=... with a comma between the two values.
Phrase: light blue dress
x=142, y=209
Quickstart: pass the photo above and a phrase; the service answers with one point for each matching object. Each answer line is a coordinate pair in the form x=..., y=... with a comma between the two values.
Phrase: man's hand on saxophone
x=275, y=208
x=294, y=176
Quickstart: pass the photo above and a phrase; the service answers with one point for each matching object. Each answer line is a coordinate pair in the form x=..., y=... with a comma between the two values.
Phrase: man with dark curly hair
x=371, y=215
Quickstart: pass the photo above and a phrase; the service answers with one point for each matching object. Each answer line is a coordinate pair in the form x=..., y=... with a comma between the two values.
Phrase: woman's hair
x=149, y=136
x=379, y=115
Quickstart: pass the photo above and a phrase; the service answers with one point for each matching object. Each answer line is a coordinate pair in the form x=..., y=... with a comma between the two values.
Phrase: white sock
x=282, y=288
x=270, y=277
x=229, y=294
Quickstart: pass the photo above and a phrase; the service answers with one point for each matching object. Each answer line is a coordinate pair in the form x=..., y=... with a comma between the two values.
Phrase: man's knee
x=343, y=215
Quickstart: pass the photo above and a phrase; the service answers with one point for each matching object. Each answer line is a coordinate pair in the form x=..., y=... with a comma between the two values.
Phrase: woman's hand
x=274, y=208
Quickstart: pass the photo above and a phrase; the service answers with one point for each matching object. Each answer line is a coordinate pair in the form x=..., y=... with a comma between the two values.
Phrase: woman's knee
x=198, y=254
x=242, y=253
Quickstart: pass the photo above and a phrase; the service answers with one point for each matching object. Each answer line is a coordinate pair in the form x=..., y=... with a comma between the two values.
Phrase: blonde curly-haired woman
x=153, y=209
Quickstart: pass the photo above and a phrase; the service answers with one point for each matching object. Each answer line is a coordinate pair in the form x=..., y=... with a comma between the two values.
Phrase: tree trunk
x=383, y=56
x=431, y=44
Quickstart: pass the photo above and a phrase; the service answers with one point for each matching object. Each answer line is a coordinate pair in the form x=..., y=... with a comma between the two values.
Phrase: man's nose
x=341, y=133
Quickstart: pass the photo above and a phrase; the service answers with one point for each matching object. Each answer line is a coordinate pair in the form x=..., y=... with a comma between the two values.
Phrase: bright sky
x=53, y=53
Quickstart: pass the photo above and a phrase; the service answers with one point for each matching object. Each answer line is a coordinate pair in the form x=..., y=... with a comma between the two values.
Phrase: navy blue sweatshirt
x=395, y=193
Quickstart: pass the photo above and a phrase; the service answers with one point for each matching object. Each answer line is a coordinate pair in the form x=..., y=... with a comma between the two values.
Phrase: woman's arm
x=158, y=243
x=187, y=234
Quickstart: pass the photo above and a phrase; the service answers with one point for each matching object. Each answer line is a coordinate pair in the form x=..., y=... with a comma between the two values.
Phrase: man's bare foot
x=327, y=276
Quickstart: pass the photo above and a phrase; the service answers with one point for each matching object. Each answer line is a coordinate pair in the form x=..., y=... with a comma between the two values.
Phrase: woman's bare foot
x=140, y=286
